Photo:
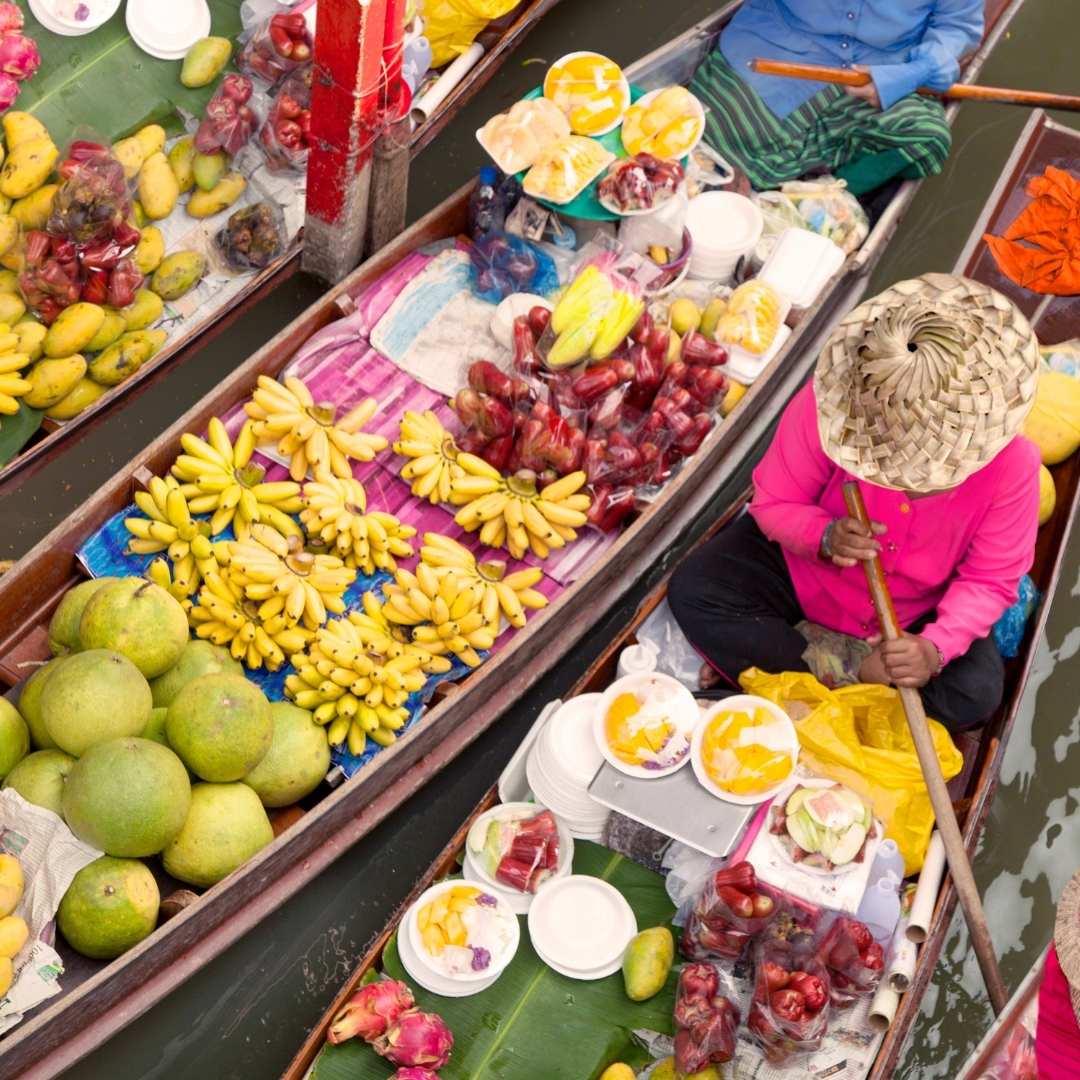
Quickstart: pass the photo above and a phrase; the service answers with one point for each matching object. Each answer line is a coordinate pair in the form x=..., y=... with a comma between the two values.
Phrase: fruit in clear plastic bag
x=590, y=89
x=753, y=317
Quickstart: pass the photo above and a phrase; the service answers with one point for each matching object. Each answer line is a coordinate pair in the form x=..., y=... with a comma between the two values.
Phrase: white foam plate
x=168, y=36
x=583, y=812
x=744, y=703
x=683, y=713
x=570, y=737
x=430, y=980
x=582, y=924
x=580, y=976
x=51, y=23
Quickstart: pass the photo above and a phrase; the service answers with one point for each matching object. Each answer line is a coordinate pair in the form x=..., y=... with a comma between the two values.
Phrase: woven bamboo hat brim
x=1067, y=939
x=923, y=385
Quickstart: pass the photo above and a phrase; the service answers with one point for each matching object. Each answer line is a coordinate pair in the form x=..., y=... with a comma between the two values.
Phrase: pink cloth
x=1057, y=1034
x=960, y=552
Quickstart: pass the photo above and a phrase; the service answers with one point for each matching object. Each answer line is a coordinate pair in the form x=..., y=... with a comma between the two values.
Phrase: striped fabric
x=831, y=130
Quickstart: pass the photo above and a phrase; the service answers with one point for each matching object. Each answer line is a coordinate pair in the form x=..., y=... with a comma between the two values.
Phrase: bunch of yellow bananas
x=431, y=447
x=217, y=476
x=385, y=638
x=443, y=611
x=354, y=689
x=12, y=361
x=285, y=580
x=509, y=593
x=224, y=616
x=335, y=514
x=307, y=433
x=182, y=579
x=510, y=512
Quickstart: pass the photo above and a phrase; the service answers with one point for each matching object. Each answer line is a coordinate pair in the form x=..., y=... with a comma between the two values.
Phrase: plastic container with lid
x=800, y=265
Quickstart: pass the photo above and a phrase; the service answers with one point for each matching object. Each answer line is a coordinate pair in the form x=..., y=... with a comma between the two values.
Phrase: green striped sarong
x=832, y=132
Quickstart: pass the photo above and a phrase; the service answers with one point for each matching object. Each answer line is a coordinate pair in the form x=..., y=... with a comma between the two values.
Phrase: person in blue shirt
x=779, y=129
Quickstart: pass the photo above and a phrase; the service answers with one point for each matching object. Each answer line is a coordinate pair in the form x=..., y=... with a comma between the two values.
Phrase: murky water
x=246, y=1014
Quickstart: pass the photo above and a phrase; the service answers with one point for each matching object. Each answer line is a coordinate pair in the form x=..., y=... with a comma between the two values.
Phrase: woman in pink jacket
x=919, y=395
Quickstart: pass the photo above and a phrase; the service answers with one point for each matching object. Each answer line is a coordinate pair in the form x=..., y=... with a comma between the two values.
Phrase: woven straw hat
x=921, y=386
x=1067, y=939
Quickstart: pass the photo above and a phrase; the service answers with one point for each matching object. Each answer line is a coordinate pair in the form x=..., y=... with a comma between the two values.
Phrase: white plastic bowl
x=683, y=713
x=789, y=741
x=724, y=227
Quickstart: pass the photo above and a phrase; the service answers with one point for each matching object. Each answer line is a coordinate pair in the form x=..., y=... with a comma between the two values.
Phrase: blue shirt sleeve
x=955, y=27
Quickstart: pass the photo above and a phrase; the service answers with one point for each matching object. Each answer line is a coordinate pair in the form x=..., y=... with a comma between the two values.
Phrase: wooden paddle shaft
x=1032, y=99
x=955, y=852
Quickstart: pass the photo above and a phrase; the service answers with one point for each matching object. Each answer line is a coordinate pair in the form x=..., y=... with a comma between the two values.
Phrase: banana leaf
x=534, y=1022
x=104, y=82
x=15, y=431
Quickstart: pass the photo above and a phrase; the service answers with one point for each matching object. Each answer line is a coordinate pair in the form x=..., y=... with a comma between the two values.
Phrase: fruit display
x=590, y=90
x=855, y=961
x=824, y=828
x=705, y=1018
x=228, y=121
x=285, y=137
x=462, y=929
x=647, y=963
x=746, y=753
x=563, y=170
x=730, y=911
x=205, y=61
x=13, y=928
x=310, y=435
x=19, y=57
x=593, y=318
x=110, y=906
x=519, y=851
x=667, y=124
x=753, y=317
x=640, y=183
x=1053, y=423
x=277, y=47
x=433, y=466
x=645, y=724
x=252, y=238
x=515, y=139
x=789, y=1010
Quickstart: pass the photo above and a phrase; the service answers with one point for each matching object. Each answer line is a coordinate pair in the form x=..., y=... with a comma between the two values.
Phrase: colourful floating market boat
x=580, y=581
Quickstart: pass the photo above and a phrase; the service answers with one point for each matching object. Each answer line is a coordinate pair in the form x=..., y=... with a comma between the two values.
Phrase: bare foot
x=872, y=670
x=708, y=677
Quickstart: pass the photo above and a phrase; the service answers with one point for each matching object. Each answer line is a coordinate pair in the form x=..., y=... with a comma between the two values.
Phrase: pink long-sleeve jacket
x=959, y=552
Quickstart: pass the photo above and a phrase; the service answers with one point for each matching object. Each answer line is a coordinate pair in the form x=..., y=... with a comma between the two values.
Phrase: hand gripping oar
x=1032, y=99
x=955, y=853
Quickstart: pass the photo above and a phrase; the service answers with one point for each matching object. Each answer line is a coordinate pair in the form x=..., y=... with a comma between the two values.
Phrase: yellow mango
x=151, y=138
x=144, y=310
x=11, y=884
x=31, y=337
x=15, y=258
x=158, y=189
x=182, y=161
x=74, y=329
x=125, y=356
x=83, y=394
x=113, y=326
x=5, y=202
x=150, y=251
x=27, y=167
x=9, y=281
x=208, y=169
x=12, y=308
x=618, y=1071
x=735, y=393
x=1047, y=495
x=205, y=61
x=178, y=274
x=53, y=379
x=1054, y=421
x=20, y=127
x=225, y=192
x=7, y=973
x=9, y=233
x=138, y=214
x=32, y=211
x=129, y=152
x=13, y=935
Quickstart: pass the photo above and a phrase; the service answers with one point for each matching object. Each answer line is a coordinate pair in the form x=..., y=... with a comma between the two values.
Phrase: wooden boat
x=1005, y=1052
x=499, y=41
x=1043, y=142
x=99, y=999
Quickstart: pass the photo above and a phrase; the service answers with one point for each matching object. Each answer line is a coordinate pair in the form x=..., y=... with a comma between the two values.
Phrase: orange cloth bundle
x=1050, y=222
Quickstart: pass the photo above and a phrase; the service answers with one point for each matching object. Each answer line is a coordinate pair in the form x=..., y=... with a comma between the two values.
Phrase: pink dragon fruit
x=11, y=17
x=411, y=1073
x=9, y=91
x=417, y=1038
x=19, y=55
x=371, y=1010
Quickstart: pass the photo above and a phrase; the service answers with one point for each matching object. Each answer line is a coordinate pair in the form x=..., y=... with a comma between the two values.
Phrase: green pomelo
x=64, y=625
x=127, y=797
x=14, y=737
x=155, y=727
x=39, y=778
x=226, y=826
x=30, y=705
x=94, y=696
x=138, y=619
x=221, y=726
x=197, y=659
x=110, y=905
x=297, y=760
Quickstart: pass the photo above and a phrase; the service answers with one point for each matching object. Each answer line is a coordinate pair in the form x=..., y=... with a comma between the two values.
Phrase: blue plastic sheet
x=1009, y=629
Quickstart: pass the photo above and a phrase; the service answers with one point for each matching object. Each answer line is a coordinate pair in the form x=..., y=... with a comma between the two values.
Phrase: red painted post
x=345, y=114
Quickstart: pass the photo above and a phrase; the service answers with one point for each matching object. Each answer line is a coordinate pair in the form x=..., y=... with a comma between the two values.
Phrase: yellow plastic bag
x=858, y=735
x=451, y=26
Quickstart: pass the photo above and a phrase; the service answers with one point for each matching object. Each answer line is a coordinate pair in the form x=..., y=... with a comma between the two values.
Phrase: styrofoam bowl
x=498, y=963
x=433, y=981
x=100, y=14
x=570, y=737
x=725, y=226
x=574, y=800
x=165, y=30
x=744, y=703
x=576, y=815
x=684, y=714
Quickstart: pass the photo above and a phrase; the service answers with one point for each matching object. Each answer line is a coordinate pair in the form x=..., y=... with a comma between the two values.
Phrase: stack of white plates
x=430, y=978
x=45, y=14
x=580, y=927
x=562, y=763
x=519, y=902
x=167, y=31
x=724, y=227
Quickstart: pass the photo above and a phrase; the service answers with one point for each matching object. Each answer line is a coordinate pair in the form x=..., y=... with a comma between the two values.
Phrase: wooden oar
x=1032, y=99
x=955, y=852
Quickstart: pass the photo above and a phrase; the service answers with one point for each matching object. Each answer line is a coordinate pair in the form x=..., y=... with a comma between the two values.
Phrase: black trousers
x=735, y=601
